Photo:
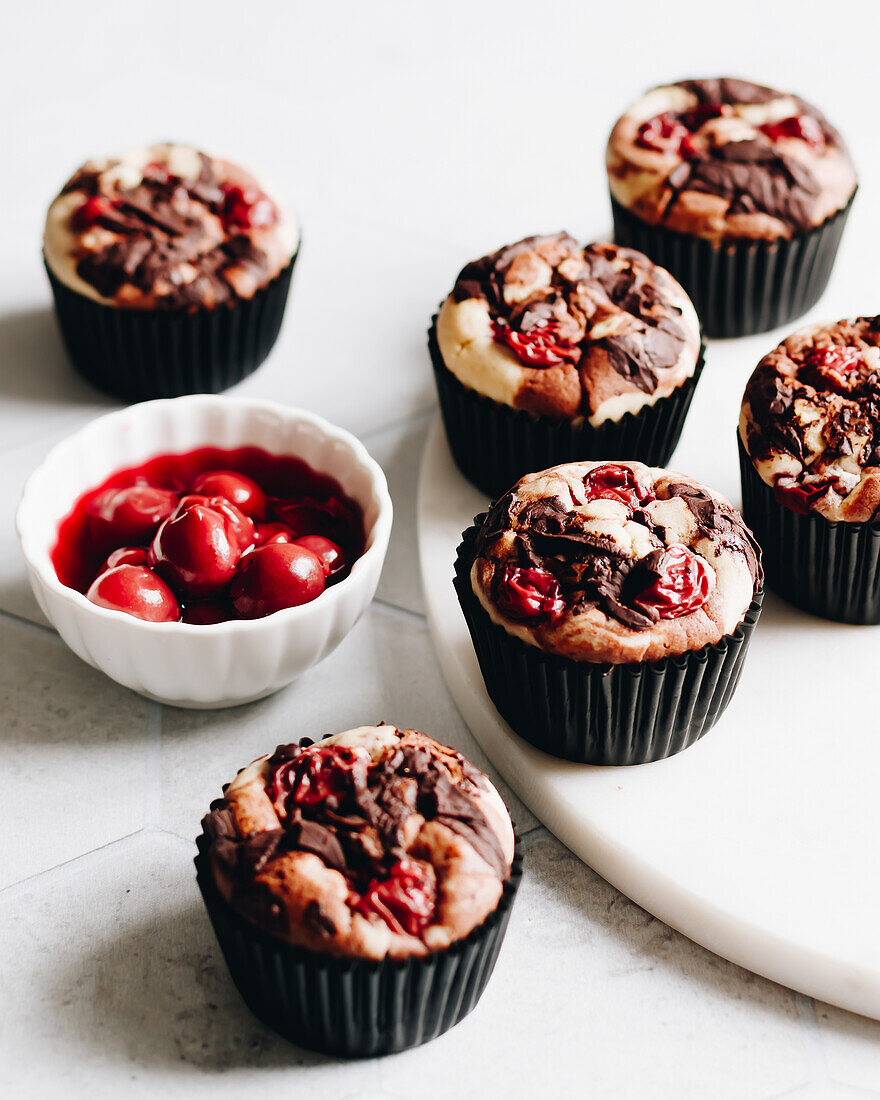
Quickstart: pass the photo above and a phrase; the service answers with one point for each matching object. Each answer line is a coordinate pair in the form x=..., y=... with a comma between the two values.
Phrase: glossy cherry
x=405, y=900
x=196, y=550
x=314, y=776
x=246, y=207
x=539, y=346
x=528, y=593
x=331, y=556
x=803, y=127
x=682, y=583
x=612, y=481
x=238, y=489
x=271, y=533
x=671, y=133
x=128, y=517
x=274, y=577
x=136, y=591
x=125, y=555
x=241, y=525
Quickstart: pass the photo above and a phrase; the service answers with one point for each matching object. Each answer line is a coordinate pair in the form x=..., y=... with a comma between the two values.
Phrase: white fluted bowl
x=178, y=663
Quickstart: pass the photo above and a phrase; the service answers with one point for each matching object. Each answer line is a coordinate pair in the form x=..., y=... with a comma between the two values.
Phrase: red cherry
x=239, y=490
x=614, y=482
x=671, y=133
x=682, y=584
x=136, y=591
x=331, y=556
x=273, y=577
x=242, y=525
x=803, y=127
x=405, y=900
x=539, y=346
x=834, y=368
x=313, y=776
x=125, y=555
x=269, y=534
x=528, y=593
x=246, y=207
x=129, y=517
x=90, y=213
x=196, y=550
x=800, y=497
x=207, y=613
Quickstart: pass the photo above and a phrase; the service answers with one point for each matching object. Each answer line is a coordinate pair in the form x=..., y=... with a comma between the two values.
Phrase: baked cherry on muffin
x=378, y=845
x=610, y=605
x=739, y=189
x=810, y=458
x=547, y=351
x=158, y=253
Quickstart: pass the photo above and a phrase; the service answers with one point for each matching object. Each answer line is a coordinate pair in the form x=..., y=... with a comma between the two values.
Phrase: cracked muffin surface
x=374, y=843
x=615, y=563
x=579, y=333
x=810, y=420
x=724, y=158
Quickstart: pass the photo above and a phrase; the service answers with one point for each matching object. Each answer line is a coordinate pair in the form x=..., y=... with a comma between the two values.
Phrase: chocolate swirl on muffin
x=727, y=158
x=166, y=228
x=574, y=332
x=810, y=420
x=376, y=842
x=615, y=562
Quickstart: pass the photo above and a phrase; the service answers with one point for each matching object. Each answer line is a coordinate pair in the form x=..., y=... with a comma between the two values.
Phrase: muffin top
x=376, y=842
x=615, y=563
x=810, y=420
x=166, y=227
x=725, y=158
x=566, y=331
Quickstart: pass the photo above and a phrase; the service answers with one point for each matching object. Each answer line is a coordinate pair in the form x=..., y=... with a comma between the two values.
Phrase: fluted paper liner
x=494, y=445
x=829, y=569
x=355, y=1007
x=743, y=286
x=599, y=713
x=138, y=355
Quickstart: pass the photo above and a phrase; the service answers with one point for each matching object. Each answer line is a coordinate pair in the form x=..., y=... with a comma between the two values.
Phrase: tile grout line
x=25, y=883
x=22, y=620
x=396, y=611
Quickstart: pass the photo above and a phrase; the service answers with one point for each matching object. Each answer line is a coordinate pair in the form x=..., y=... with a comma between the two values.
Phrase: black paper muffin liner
x=597, y=713
x=356, y=1008
x=138, y=355
x=494, y=445
x=831, y=569
x=740, y=287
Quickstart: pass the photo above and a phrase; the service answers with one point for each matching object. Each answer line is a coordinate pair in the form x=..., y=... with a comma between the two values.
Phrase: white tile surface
x=384, y=671
x=410, y=138
x=74, y=754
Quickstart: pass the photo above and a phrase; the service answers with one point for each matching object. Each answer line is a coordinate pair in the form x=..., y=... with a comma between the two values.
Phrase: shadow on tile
x=157, y=994
x=590, y=909
x=34, y=366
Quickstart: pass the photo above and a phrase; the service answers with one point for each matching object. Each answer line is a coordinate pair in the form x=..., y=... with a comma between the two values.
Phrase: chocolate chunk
x=726, y=89
x=316, y=919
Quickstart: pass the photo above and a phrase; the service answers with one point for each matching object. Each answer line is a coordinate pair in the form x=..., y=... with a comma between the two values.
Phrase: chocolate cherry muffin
x=170, y=271
x=740, y=190
x=610, y=606
x=547, y=351
x=809, y=440
x=360, y=887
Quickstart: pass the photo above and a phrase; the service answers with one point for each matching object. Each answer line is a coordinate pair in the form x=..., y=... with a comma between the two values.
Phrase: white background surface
x=410, y=138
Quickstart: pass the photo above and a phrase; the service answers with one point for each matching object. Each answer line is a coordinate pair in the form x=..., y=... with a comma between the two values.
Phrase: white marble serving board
x=762, y=841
